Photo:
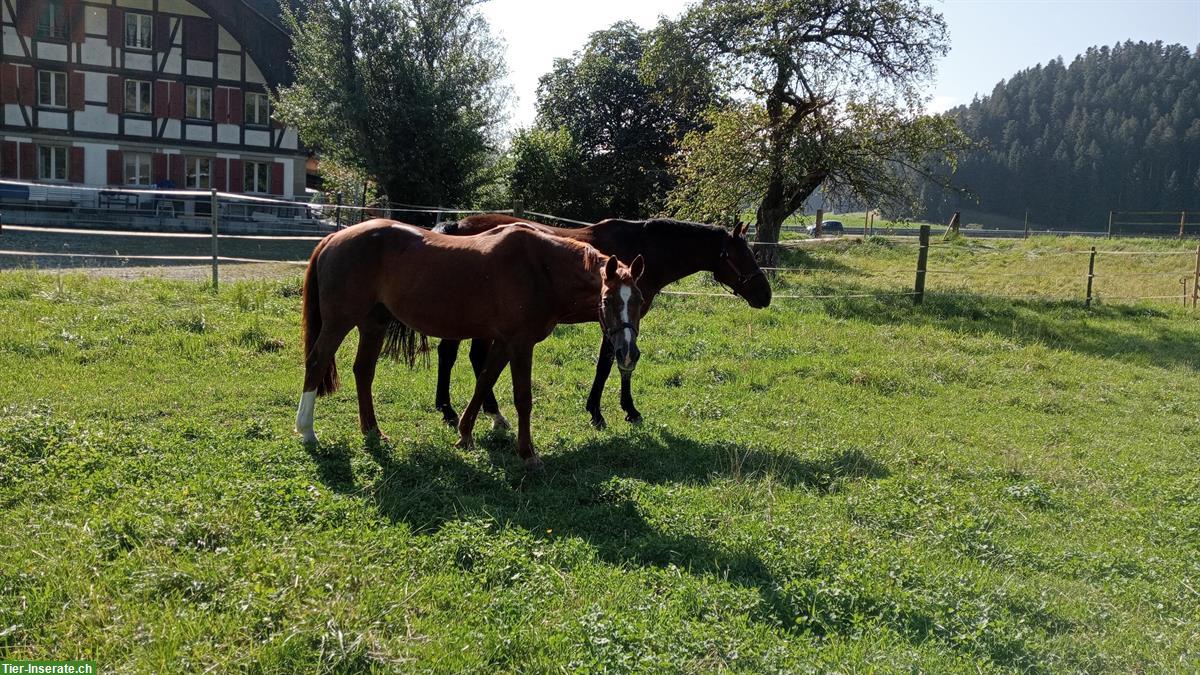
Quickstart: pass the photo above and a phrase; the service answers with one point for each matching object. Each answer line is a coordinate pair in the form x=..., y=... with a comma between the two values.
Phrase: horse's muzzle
x=627, y=358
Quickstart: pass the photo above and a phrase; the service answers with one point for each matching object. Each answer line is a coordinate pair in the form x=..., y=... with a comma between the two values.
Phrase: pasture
x=979, y=483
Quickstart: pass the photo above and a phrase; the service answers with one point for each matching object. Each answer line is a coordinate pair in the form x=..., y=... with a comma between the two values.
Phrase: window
x=139, y=31
x=258, y=112
x=52, y=22
x=199, y=103
x=52, y=88
x=52, y=162
x=199, y=170
x=137, y=168
x=258, y=176
x=137, y=97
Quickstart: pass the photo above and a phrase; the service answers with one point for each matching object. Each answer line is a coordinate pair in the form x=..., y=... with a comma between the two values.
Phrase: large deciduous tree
x=408, y=92
x=827, y=93
x=605, y=130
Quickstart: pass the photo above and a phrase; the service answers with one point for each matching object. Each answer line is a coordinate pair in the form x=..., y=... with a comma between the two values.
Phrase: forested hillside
x=1117, y=129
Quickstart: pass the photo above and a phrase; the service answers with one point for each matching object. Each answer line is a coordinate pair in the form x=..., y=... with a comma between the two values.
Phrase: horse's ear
x=638, y=266
x=610, y=267
x=739, y=230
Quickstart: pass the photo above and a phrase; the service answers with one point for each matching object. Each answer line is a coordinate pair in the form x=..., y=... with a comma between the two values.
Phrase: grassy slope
x=976, y=483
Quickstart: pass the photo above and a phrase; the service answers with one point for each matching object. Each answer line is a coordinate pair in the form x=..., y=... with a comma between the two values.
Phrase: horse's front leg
x=496, y=361
x=447, y=354
x=521, y=357
x=604, y=363
x=631, y=413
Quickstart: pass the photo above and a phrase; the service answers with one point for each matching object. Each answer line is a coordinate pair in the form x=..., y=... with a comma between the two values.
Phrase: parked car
x=833, y=227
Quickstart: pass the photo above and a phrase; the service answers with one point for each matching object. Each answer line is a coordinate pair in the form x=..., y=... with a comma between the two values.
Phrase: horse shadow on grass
x=591, y=492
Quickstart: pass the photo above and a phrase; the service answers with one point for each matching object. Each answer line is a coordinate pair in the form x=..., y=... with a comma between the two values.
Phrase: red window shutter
x=27, y=92
x=220, y=174
x=237, y=108
x=177, y=174
x=116, y=94
x=28, y=161
x=221, y=105
x=116, y=27
x=158, y=165
x=176, y=111
x=74, y=12
x=75, y=165
x=116, y=167
x=8, y=83
x=75, y=90
x=27, y=14
x=8, y=159
x=237, y=175
x=276, y=178
x=162, y=98
x=162, y=33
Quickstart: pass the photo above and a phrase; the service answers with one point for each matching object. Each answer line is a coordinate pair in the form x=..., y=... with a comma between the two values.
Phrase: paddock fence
x=150, y=230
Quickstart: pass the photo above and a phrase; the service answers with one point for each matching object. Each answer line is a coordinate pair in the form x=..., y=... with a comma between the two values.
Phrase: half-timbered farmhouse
x=140, y=93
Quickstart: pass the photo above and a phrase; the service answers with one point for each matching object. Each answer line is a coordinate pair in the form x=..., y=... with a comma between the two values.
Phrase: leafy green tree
x=615, y=122
x=798, y=69
x=408, y=92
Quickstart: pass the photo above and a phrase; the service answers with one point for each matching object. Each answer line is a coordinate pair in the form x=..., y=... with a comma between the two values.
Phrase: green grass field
x=978, y=484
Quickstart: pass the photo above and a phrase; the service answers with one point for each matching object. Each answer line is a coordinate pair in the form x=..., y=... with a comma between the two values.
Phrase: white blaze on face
x=304, y=416
x=626, y=293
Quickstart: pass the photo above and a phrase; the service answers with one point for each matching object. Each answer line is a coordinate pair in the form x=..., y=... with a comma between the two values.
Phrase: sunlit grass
x=845, y=484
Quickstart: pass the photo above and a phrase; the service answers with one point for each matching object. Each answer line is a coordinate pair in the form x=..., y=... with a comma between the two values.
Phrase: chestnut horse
x=672, y=250
x=508, y=287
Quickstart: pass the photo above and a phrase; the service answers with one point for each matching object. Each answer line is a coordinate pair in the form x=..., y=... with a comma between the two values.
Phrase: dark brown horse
x=672, y=250
x=509, y=287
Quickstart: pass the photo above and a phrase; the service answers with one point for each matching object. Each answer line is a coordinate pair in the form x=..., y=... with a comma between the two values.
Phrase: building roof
x=258, y=26
x=270, y=9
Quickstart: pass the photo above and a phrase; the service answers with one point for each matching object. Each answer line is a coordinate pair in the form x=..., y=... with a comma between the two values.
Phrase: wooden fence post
x=952, y=227
x=1110, y=223
x=922, y=260
x=1196, y=279
x=339, y=210
x=1091, y=275
x=1026, y=223
x=213, y=217
x=820, y=222
x=518, y=208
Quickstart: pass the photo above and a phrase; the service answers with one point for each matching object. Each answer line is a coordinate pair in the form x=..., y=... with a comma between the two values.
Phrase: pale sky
x=989, y=39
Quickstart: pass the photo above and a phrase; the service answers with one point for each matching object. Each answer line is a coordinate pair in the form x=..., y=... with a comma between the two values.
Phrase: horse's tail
x=310, y=321
x=404, y=344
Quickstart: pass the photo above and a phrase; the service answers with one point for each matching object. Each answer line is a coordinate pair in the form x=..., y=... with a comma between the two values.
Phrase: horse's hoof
x=376, y=437
x=309, y=439
x=599, y=423
x=451, y=422
x=634, y=418
x=534, y=464
x=499, y=422
x=465, y=443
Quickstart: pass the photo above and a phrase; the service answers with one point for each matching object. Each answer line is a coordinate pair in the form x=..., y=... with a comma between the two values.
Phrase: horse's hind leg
x=479, y=354
x=447, y=354
x=497, y=359
x=316, y=364
x=371, y=333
